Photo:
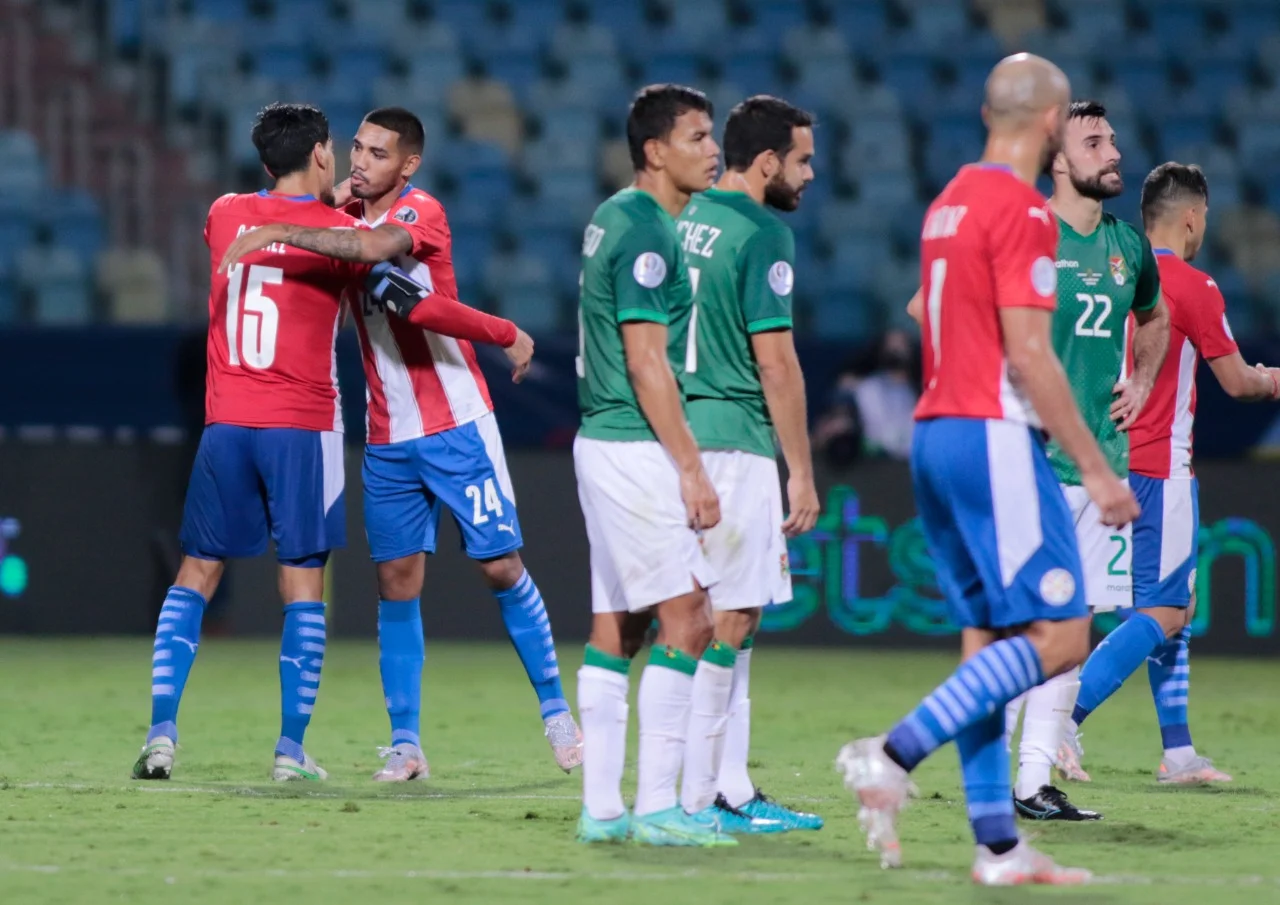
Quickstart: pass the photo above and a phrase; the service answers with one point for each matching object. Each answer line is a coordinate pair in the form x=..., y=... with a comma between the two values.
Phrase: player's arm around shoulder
x=346, y=241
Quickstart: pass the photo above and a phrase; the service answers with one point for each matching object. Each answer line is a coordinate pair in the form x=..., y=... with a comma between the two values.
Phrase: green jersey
x=632, y=270
x=1101, y=278
x=741, y=258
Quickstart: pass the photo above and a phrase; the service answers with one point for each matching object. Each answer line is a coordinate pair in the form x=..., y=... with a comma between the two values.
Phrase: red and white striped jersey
x=989, y=242
x=1161, y=439
x=418, y=382
x=273, y=318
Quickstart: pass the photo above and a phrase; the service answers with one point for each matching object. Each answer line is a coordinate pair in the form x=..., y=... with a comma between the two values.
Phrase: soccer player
x=1105, y=270
x=996, y=521
x=645, y=493
x=742, y=379
x=1175, y=201
x=433, y=440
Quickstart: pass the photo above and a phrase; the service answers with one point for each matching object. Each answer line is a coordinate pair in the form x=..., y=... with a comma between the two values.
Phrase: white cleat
x=883, y=790
x=404, y=762
x=1070, y=754
x=565, y=739
x=1024, y=865
x=287, y=769
x=156, y=759
x=1196, y=771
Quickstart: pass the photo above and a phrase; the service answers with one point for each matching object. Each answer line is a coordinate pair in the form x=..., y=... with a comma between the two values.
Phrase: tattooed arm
x=367, y=246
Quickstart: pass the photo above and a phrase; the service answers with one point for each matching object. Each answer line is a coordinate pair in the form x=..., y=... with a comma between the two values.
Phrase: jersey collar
x=263, y=193
x=1162, y=251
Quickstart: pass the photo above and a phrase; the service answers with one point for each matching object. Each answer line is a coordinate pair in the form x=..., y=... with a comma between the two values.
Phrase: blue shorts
x=1165, y=540
x=996, y=522
x=408, y=484
x=249, y=483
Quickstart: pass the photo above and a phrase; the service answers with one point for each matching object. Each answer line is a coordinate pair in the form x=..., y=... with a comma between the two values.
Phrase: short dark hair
x=758, y=124
x=412, y=137
x=654, y=112
x=1169, y=186
x=285, y=135
x=1086, y=110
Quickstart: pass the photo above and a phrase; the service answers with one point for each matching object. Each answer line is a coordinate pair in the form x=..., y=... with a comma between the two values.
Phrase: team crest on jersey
x=1057, y=587
x=1119, y=272
x=405, y=215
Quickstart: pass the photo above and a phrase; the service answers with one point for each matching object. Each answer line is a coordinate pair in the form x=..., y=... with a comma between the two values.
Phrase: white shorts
x=642, y=548
x=747, y=549
x=1106, y=554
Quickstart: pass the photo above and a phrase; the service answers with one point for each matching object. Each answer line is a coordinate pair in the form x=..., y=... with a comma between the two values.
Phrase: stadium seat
x=55, y=278
x=386, y=17
x=569, y=40
x=551, y=154
x=467, y=17
x=913, y=77
x=76, y=223
x=1259, y=143
x=281, y=63
x=519, y=71
x=17, y=229
x=1146, y=83
x=233, y=11
x=574, y=191
x=938, y=24
x=537, y=17
x=569, y=125
x=824, y=83
x=864, y=24
x=841, y=218
x=879, y=144
x=777, y=16
x=754, y=72
x=855, y=259
x=135, y=285
x=535, y=309
x=677, y=67
x=437, y=70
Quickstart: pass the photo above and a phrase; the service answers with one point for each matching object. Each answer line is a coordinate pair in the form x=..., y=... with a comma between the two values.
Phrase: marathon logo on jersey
x=650, y=270
x=1119, y=272
x=405, y=215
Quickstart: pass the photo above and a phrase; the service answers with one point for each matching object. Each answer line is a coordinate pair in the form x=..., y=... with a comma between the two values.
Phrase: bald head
x=1020, y=89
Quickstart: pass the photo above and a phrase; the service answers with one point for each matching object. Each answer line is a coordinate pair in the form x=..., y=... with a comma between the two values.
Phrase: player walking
x=1175, y=201
x=645, y=493
x=433, y=440
x=997, y=523
x=742, y=378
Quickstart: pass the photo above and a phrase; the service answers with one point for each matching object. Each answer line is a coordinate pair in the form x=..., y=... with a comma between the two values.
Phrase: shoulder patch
x=649, y=270
x=1044, y=276
x=405, y=215
x=781, y=278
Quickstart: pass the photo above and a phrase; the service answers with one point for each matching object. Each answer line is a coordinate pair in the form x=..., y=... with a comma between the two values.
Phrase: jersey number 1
x=254, y=342
x=691, y=348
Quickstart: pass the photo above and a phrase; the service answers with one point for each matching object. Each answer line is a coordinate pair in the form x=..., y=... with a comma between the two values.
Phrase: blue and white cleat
x=725, y=818
x=674, y=827
x=591, y=830
x=762, y=807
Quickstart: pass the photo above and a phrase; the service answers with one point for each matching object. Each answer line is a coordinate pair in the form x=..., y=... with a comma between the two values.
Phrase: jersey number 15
x=252, y=342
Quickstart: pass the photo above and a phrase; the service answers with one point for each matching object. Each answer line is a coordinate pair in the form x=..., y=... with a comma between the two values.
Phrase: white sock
x=1048, y=710
x=734, y=783
x=602, y=708
x=665, y=695
x=708, y=719
x=1012, y=711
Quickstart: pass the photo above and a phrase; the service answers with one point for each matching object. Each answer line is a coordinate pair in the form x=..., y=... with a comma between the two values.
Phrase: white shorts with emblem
x=747, y=549
x=1106, y=554
x=642, y=549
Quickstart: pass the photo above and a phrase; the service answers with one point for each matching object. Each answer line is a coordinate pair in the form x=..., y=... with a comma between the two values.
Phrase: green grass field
x=496, y=819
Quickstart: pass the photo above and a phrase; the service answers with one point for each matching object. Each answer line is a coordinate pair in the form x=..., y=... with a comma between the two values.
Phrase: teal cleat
x=726, y=818
x=765, y=808
x=592, y=830
x=674, y=827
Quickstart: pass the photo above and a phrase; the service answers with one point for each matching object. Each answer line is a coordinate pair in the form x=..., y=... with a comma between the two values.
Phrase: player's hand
x=803, y=497
x=1132, y=397
x=1274, y=374
x=251, y=241
x=342, y=193
x=520, y=353
x=1115, y=501
x=700, y=501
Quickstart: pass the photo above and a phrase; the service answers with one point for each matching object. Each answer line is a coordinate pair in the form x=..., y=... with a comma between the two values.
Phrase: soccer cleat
x=156, y=759
x=726, y=818
x=1197, y=770
x=1070, y=753
x=566, y=740
x=1024, y=865
x=765, y=808
x=289, y=770
x=674, y=827
x=592, y=830
x=882, y=788
x=1050, y=803
x=404, y=762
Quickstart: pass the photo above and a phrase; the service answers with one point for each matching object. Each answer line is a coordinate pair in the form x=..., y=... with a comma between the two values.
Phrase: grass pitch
x=496, y=819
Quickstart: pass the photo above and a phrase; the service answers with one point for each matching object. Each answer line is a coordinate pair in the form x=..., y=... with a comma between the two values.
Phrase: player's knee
x=502, y=573
x=200, y=575
x=1061, y=645
x=401, y=579
x=734, y=626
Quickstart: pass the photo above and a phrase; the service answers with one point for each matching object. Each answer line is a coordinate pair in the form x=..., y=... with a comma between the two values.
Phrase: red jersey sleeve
x=1205, y=312
x=1024, y=248
x=424, y=219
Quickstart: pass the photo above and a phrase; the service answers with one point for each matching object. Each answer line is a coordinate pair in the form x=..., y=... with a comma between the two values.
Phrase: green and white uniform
x=642, y=549
x=1101, y=278
x=741, y=258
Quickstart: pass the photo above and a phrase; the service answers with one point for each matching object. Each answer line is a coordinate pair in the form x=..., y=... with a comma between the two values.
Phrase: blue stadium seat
x=953, y=142
x=912, y=76
x=809, y=42
x=220, y=10
x=466, y=17
x=602, y=76
x=560, y=248
x=622, y=19
x=823, y=84
x=1179, y=131
x=678, y=67
x=548, y=154
x=358, y=63
x=864, y=23
x=386, y=17
x=536, y=17
x=887, y=190
x=56, y=278
x=939, y=24
x=840, y=218
x=777, y=16
x=77, y=224
x=855, y=259
x=16, y=232
x=535, y=309
x=281, y=63
x=575, y=192
x=570, y=40
x=705, y=21
x=1259, y=143
x=878, y=145
x=569, y=125
x=753, y=71
x=520, y=72
x=1215, y=79
x=1146, y=83
x=506, y=39
x=438, y=70
x=535, y=213
x=845, y=316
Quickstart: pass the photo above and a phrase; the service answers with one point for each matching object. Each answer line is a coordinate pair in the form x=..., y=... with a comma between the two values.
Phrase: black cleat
x=1050, y=803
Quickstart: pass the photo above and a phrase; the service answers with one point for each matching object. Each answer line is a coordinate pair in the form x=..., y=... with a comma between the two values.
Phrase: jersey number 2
x=252, y=342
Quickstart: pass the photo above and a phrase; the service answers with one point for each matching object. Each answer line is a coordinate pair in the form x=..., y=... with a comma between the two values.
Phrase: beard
x=327, y=196
x=779, y=194
x=1094, y=188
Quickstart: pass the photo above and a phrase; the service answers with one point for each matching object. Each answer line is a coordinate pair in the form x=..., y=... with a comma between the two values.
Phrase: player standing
x=997, y=523
x=1175, y=202
x=742, y=378
x=644, y=491
x=433, y=440
x=1105, y=270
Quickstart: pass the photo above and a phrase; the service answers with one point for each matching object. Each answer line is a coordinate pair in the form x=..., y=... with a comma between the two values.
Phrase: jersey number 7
x=252, y=342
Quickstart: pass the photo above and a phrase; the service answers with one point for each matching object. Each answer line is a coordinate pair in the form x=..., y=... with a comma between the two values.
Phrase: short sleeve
x=425, y=220
x=1147, y=291
x=1205, y=314
x=1024, y=249
x=766, y=268
x=643, y=263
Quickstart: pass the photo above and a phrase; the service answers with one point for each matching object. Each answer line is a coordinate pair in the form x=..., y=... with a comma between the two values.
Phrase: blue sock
x=984, y=764
x=401, y=653
x=301, y=657
x=177, y=637
x=526, y=620
x=983, y=684
x=1114, y=660
x=1169, y=670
